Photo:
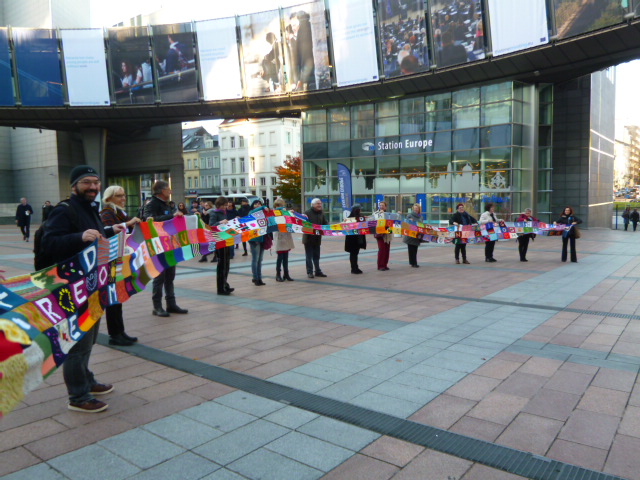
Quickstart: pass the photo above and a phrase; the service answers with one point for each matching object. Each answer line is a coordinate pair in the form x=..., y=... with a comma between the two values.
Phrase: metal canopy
x=555, y=62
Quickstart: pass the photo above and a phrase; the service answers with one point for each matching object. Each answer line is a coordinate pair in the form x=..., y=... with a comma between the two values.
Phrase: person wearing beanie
x=72, y=226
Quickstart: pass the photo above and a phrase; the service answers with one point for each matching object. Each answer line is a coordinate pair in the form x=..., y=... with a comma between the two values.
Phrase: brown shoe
x=101, y=389
x=457, y=262
x=90, y=406
x=466, y=261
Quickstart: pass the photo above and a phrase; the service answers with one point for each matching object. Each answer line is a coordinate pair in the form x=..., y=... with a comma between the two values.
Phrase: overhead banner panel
x=131, y=70
x=517, y=25
x=458, y=31
x=353, y=41
x=262, y=53
x=403, y=37
x=219, y=60
x=38, y=64
x=305, y=47
x=6, y=83
x=574, y=17
x=86, y=67
x=175, y=63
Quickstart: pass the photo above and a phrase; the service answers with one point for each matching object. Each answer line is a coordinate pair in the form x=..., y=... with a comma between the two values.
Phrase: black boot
x=120, y=341
x=287, y=277
x=131, y=339
x=203, y=259
x=279, y=277
x=158, y=311
x=172, y=307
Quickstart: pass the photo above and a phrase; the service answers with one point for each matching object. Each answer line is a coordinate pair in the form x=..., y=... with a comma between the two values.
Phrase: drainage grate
x=503, y=458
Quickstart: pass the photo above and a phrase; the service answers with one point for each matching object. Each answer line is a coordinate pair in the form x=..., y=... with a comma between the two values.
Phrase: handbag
x=267, y=242
x=576, y=232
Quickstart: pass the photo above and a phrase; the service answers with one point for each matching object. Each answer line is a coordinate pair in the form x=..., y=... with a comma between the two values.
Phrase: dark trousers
x=626, y=225
x=523, y=246
x=353, y=259
x=25, y=230
x=115, y=322
x=413, y=254
x=383, y=253
x=488, y=249
x=75, y=369
x=244, y=245
x=282, y=262
x=461, y=247
x=572, y=241
x=222, y=270
x=165, y=279
x=635, y=225
x=312, y=256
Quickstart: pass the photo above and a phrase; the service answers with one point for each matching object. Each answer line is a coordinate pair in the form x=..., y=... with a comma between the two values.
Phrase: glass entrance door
x=406, y=203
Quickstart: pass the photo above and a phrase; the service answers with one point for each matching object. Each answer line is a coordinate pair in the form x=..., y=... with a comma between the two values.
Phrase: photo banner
x=458, y=31
x=175, y=63
x=6, y=82
x=262, y=53
x=574, y=17
x=38, y=62
x=517, y=25
x=403, y=37
x=306, y=50
x=353, y=40
x=131, y=68
x=219, y=59
x=86, y=67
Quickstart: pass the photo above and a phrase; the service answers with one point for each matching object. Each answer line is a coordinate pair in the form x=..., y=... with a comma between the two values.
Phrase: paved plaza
x=499, y=371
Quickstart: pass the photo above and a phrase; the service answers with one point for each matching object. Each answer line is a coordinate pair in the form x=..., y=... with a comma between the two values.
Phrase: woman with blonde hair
x=284, y=244
x=113, y=213
x=415, y=215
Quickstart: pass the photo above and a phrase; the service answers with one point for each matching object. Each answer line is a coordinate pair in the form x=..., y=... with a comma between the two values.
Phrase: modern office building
x=508, y=143
x=252, y=149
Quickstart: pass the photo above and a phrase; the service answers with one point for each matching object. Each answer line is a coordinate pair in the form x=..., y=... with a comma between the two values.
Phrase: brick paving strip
x=456, y=357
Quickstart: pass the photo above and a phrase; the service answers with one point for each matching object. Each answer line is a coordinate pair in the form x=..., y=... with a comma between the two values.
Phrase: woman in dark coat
x=353, y=243
x=413, y=243
x=461, y=218
x=523, y=240
x=218, y=216
x=569, y=236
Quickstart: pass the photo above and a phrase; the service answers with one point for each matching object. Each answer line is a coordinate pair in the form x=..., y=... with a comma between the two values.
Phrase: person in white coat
x=488, y=216
x=284, y=243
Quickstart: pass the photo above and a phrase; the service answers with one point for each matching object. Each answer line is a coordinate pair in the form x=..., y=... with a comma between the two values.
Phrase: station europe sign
x=380, y=146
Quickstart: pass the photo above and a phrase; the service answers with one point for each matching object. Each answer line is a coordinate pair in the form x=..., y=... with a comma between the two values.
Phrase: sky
x=104, y=14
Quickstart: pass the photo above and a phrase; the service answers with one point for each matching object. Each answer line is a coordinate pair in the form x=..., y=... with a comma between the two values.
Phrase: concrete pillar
x=94, y=144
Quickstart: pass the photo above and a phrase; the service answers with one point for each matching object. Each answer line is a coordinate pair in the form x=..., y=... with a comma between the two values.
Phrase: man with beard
x=158, y=209
x=71, y=228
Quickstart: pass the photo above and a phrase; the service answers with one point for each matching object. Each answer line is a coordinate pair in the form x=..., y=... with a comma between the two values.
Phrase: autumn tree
x=290, y=180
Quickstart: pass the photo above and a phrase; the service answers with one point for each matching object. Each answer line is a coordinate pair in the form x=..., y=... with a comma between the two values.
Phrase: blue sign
x=379, y=198
x=344, y=185
x=6, y=84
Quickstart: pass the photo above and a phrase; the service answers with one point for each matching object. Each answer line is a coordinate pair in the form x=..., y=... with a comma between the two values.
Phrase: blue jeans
x=75, y=369
x=257, y=252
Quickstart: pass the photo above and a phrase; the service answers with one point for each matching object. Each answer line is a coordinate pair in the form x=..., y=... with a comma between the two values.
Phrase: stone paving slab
x=541, y=380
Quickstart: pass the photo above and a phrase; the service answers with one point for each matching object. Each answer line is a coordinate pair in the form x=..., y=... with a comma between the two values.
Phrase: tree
x=290, y=180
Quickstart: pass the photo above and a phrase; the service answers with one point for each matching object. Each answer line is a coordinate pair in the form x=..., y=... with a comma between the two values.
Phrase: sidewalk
x=485, y=371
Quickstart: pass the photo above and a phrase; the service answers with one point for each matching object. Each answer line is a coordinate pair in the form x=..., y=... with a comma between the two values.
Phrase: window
x=225, y=183
x=203, y=181
x=223, y=142
x=195, y=182
x=242, y=165
x=243, y=182
x=253, y=182
x=189, y=164
x=233, y=142
x=261, y=162
x=241, y=141
x=288, y=138
x=209, y=162
x=203, y=163
x=251, y=141
x=210, y=180
x=274, y=180
x=272, y=161
x=272, y=138
x=224, y=165
x=190, y=182
x=261, y=139
x=233, y=165
x=208, y=143
x=253, y=164
x=216, y=162
x=233, y=182
x=263, y=181
x=216, y=181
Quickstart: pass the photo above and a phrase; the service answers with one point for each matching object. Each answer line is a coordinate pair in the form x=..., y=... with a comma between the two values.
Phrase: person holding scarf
x=570, y=234
x=461, y=218
x=488, y=216
x=523, y=240
x=218, y=216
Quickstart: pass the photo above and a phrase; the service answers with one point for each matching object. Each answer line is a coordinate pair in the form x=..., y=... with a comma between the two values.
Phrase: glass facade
x=472, y=146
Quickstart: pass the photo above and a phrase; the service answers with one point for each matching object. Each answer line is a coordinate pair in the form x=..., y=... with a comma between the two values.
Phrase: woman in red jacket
x=523, y=240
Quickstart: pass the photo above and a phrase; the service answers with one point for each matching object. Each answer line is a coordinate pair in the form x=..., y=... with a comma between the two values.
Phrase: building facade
x=201, y=157
x=487, y=144
x=250, y=151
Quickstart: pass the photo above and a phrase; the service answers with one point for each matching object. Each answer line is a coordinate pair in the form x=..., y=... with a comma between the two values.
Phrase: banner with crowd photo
x=43, y=314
